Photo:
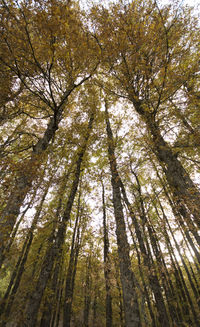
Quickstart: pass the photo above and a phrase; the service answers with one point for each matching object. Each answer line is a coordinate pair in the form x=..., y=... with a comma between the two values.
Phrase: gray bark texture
x=71, y=271
x=184, y=191
x=107, y=264
x=29, y=172
x=24, y=182
x=153, y=279
x=131, y=308
x=55, y=243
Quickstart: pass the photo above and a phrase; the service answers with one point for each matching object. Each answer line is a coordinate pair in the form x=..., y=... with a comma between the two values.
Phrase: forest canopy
x=100, y=164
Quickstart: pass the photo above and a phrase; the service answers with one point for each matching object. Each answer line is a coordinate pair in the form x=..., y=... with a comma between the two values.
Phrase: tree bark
x=24, y=182
x=87, y=298
x=71, y=272
x=184, y=191
x=19, y=269
x=131, y=308
x=29, y=171
x=195, y=315
x=180, y=214
x=55, y=242
x=119, y=288
x=107, y=269
x=148, y=263
x=146, y=291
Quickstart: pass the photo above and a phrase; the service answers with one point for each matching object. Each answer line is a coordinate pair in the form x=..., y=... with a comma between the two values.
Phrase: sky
x=195, y=3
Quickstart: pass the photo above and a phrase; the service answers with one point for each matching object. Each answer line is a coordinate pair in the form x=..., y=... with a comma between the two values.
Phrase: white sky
x=195, y=3
x=188, y=2
x=191, y=2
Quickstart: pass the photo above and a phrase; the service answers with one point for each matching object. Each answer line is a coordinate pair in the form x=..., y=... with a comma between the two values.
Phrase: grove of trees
x=100, y=164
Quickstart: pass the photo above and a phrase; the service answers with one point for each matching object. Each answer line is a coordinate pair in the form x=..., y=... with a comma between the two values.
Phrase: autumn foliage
x=99, y=156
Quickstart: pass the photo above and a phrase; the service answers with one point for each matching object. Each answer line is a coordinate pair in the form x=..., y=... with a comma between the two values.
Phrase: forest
x=100, y=164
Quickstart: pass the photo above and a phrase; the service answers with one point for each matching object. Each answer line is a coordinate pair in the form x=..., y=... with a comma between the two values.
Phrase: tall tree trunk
x=165, y=276
x=119, y=288
x=24, y=181
x=47, y=315
x=189, y=249
x=57, y=311
x=185, y=192
x=94, y=307
x=15, y=229
x=141, y=268
x=177, y=112
x=181, y=286
x=148, y=263
x=181, y=215
x=71, y=272
x=8, y=244
x=29, y=171
x=163, y=272
x=180, y=297
x=18, y=271
x=131, y=308
x=181, y=223
x=87, y=297
x=195, y=316
x=55, y=242
x=107, y=269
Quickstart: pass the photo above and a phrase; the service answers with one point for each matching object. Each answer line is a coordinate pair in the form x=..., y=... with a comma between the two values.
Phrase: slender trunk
x=182, y=226
x=191, y=254
x=180, y=283
x=55, y=242
x=149, y=264
x=197, y=289
x=177, y=112
x=195, y=316
x=187, y=239
x=15, y=230
x=87, y=298
x=163, y=272
x=24, y=182
x=166, y=278
x=184, y=294
x=19, y=269
x=177, y=214
x=158, y=256
x=9, y=243
x=186, y=234
x=46, y=315
x=94, y=307
x=51, y=299
x=146, y=291
x=184, y=191
x=56, y=313
x=179, y=294
x=29, y=171
x=131, y=308
x=119, y=288
x=71, y=272
x=107, y=269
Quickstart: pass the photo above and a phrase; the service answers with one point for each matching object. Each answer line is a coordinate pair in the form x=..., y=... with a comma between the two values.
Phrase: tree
x=45, y=63
x=128, y=279
x=99, y=160
x=107, y=263
x=139, y=49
